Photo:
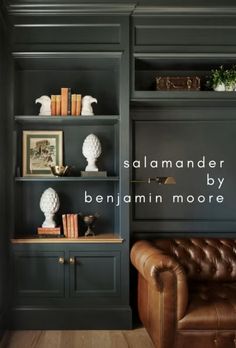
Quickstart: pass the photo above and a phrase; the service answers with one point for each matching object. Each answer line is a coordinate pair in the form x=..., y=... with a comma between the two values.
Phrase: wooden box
x=176, y=83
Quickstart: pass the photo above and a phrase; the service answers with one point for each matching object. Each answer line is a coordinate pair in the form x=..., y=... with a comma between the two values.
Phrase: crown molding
x=184, y=10
x=70, y=8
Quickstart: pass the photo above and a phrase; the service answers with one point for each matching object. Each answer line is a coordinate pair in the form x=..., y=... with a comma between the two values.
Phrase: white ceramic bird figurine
x=87, y=109
x=45, y=102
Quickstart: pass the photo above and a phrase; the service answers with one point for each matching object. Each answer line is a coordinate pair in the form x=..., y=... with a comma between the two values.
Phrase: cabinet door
x=39, y=274
x=94, y=274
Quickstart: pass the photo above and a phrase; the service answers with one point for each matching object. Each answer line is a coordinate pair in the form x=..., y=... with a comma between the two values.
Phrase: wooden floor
x=137, y=338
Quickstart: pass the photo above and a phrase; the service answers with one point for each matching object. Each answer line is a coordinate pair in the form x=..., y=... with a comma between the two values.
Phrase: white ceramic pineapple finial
x=49, y=204
x=91, y=150
x=45, y=102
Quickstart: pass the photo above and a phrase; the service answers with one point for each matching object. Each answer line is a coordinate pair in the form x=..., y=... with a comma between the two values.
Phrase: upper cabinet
x=71, y=26
x=184, y=29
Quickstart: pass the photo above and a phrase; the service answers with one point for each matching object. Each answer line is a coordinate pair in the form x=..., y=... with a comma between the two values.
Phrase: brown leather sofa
x=187, y=291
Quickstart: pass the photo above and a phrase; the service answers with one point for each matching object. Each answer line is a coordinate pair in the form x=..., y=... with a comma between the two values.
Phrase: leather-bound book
x=73, y=104
x=58, y=105
x=78, y=104
x=64, y=101
x=72, y=226
x=69, y=102
x=76, y=234
x=53, y=105
x=64, y=222
x=68, y=225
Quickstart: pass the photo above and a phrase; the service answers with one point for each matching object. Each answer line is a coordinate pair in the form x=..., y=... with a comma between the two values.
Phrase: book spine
x=49, y=231
x=72, y=226
x=69, y=102
x=78, y=104
x=53, y=105
x=76, y=225
x=73, y=104
x=64, y=222
x=58, y=105
x=68, y=225
x=64, y=101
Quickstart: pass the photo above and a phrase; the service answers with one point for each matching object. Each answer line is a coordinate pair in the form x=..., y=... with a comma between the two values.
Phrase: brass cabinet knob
x=61, y=260
x=72, y=260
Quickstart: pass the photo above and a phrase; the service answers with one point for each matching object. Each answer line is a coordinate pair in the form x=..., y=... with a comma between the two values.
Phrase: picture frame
x=40, y=150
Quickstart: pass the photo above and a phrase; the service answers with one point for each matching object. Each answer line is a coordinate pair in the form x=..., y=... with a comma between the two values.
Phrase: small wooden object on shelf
x=178, y=83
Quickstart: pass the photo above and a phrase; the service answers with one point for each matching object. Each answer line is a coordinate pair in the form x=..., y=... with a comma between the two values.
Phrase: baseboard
x=70, y=319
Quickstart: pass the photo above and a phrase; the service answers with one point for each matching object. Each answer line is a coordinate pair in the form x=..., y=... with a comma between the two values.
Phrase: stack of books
x=70, y=225
x=66, y=104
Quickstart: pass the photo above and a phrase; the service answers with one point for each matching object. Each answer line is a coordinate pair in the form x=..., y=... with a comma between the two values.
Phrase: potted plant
x=223, y=79
x=230, y=79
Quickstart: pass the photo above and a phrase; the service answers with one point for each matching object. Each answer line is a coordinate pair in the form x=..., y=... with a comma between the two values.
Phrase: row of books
x=66, y=104
x=70, y=225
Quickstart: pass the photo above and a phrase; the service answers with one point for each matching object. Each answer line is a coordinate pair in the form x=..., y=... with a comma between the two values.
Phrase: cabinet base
x=70, y=319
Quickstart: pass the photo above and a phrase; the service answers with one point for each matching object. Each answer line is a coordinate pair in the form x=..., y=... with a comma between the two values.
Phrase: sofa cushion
x=211, y=306
x=203, y=259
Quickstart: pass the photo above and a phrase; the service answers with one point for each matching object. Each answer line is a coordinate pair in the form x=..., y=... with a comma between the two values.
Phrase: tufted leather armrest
x=159, y=270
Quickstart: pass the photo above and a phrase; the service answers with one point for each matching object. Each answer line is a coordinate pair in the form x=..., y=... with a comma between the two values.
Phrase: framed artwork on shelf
x=41, y=149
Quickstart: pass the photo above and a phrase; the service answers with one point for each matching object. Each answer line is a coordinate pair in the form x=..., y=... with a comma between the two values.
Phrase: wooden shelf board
x=98, y=119
x=102, y=238
x=195, y=95
x=67, y=178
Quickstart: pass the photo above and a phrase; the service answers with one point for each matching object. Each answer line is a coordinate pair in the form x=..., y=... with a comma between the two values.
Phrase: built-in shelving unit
x=84, y=277
x=83, y=73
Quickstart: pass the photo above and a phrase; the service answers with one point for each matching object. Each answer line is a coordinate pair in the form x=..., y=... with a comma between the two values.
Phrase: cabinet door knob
x=72, y=260
x=61, y=260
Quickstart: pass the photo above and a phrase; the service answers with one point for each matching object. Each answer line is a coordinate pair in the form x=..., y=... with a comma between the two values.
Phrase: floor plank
x=137, y=338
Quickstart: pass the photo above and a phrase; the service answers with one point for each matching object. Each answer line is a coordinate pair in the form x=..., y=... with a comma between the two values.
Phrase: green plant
x=217, y=76
x=223, y=76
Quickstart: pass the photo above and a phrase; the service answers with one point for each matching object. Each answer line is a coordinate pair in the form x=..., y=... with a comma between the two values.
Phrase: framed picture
x=40, y=150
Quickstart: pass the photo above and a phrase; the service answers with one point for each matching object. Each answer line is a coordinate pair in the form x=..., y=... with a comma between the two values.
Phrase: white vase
x=220, y=87
x=229, y=88
x=91, y=150
x=49, y=204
